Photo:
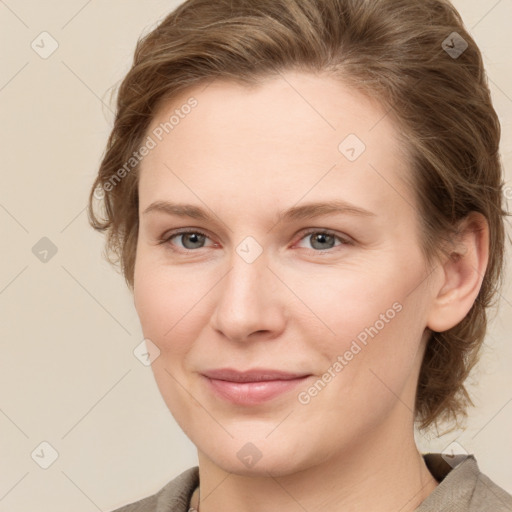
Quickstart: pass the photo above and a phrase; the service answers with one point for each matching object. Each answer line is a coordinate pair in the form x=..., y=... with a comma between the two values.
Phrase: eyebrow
x=305, y=211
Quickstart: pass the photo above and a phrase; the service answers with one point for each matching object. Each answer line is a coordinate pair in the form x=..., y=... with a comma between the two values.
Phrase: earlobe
x=463, y=271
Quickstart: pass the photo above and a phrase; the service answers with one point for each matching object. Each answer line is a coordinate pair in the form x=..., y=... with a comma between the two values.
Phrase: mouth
x=251, y=387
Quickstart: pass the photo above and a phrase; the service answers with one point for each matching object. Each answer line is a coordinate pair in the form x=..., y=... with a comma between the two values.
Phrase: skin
x=245, y=154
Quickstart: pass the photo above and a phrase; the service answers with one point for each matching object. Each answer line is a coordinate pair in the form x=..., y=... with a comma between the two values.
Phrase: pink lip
x=251, y=387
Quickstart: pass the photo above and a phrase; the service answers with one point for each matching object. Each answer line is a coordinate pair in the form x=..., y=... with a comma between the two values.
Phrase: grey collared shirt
x=462, y=488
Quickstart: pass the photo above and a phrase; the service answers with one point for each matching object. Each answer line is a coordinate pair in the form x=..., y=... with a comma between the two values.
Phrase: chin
x=261, y=457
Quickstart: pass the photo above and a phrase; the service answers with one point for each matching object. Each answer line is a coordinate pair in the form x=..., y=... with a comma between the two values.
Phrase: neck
x=385, y=473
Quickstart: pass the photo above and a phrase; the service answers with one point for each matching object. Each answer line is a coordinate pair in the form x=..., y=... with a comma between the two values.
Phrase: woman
x=306, y=201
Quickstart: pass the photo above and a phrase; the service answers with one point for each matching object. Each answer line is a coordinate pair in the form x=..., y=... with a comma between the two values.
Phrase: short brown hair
x=410, y=55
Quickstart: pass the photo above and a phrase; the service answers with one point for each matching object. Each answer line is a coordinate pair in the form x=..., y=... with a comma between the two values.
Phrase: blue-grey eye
x=322, y=241
x=192, y=240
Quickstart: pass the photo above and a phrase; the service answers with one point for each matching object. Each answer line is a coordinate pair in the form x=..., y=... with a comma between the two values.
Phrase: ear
x=463, y=272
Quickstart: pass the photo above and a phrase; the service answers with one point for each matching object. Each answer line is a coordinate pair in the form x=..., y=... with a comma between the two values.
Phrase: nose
x=250, y=303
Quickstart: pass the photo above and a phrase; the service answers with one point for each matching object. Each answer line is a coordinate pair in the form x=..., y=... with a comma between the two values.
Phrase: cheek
x=363, y=374
x=168, y=302
x=343, y=302
x=168, y=307
x=364, y=320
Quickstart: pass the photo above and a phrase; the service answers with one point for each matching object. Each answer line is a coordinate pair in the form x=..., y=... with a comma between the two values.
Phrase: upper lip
x=253, y=375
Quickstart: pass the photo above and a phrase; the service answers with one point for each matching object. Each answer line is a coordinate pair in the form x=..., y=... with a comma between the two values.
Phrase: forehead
x=300, y=134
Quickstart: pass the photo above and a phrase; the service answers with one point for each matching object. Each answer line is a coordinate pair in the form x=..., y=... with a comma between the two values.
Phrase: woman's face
x=290, y=318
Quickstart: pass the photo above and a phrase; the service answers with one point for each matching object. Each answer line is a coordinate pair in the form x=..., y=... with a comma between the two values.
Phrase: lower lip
x=252, y=393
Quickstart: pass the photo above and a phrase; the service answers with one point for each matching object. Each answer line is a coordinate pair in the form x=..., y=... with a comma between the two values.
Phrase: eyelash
x=166, y=239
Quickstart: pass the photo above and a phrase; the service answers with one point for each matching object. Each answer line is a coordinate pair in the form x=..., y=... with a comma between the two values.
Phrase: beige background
x=68, y=327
